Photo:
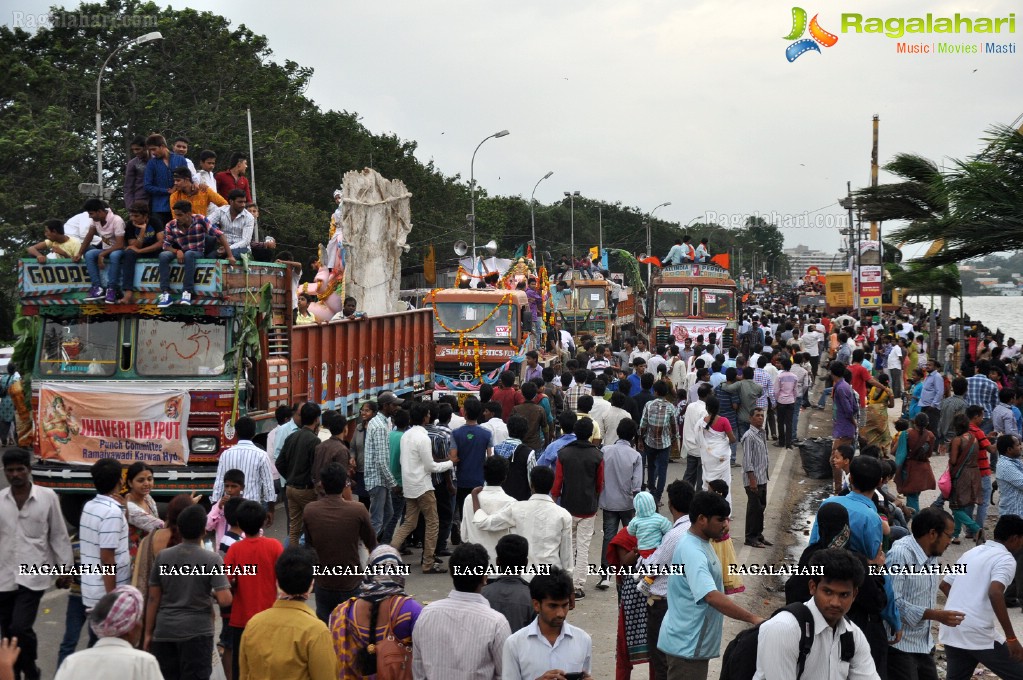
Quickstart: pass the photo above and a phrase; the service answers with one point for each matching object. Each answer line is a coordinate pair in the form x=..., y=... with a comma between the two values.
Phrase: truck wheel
x=71, y=507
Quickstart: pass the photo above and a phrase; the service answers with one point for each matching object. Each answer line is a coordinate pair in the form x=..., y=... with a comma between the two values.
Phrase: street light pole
x=155, y=35
x=472, y=193
x=571, y=202
x=649, y=247
x=532, y=215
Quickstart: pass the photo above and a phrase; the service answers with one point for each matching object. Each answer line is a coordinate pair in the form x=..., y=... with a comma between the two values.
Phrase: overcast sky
x=645, y=101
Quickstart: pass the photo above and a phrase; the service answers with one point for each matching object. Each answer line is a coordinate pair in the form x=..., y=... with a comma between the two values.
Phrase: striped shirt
x=440, y=439
x=473, y=655
x=664, y=554
x=761, y=377
x=378, y=454
x=253, y=462
x=1010, y=486
x=658, y=424
x=754, y=456
x=914, y=594
x=786, y=387
x=104, y=525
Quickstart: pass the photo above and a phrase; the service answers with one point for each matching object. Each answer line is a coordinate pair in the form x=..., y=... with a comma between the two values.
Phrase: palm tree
x=922, y=201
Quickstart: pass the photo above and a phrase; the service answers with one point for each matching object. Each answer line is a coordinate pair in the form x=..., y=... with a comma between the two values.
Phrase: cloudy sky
x=646, y=101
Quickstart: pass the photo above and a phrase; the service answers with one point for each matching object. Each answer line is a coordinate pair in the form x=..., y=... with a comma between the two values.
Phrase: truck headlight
x=203, y=444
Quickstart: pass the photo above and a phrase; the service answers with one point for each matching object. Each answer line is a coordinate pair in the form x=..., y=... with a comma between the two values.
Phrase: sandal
x=435, y=569
x=980, y=540
x=956, y=541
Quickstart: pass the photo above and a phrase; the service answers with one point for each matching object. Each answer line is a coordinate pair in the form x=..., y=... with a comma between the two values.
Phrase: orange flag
x=721, y=259
x=653, y=259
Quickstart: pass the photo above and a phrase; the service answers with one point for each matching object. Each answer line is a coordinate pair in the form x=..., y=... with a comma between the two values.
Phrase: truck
x=139, y=383
x=585, y=309
x=689, y=300
x=478, y=334
x=838, y=293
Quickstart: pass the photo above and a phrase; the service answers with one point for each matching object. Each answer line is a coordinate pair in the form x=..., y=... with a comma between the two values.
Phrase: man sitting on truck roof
x=185, y=240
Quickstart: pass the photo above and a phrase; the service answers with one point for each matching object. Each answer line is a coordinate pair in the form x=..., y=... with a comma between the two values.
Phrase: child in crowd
x=59, y=243
x=723, y=546
x=648, y=526
x=234, y=485
x=230, y=537
x=840, y=459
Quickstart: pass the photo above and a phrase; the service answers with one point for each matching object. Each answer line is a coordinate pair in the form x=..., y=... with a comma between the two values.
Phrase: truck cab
x=689, y=300
x=585, y=309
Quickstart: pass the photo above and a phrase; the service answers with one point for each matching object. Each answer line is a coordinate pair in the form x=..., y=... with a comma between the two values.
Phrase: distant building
x=802, y=257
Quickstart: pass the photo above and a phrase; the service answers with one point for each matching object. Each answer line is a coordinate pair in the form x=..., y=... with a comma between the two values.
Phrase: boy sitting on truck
x=185, y=241
x=59, y=243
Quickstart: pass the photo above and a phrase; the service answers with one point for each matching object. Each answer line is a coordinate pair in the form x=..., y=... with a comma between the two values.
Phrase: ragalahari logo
x=817, y=35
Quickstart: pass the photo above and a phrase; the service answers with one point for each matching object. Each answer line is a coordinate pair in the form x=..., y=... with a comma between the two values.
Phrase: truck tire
x=71, y=505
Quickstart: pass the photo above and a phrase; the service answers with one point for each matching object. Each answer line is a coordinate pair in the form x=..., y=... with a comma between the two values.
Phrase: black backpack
x=740, y=659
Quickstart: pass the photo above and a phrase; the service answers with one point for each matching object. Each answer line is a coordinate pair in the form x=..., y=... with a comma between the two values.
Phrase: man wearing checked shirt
x=916, y=595
x=184, y=241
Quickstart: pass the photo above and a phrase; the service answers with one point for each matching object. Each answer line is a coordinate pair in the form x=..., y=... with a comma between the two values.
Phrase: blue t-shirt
x=471, y=442
x=691, y=627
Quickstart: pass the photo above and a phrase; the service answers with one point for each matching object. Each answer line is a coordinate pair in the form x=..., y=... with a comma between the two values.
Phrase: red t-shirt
x=860, y=376
x=508, y=398
x=257, y=592
x=982, y=443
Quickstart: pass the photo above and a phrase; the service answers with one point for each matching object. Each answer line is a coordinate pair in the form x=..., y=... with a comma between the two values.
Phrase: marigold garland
x=463, y=342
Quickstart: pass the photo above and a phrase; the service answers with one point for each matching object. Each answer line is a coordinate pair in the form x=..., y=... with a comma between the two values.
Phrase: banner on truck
x=680, y=330
x=83, y=423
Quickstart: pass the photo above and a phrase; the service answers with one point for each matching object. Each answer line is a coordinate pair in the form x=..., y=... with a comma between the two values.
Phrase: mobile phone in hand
x=574, y=676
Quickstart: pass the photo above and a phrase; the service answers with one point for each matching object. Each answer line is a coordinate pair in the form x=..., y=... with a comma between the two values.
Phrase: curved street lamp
x=649, y=247
x=472, y=191
x=532, y=215
x=155, y=35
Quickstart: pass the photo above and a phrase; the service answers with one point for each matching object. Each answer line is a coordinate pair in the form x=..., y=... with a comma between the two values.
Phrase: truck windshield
x=672, y=302
x=167, y=347
x=79, y=347
x=591, y=298
x=718, y=303
x=483, y=318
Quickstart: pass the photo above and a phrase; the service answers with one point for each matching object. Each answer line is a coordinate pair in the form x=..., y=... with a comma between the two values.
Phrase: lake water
x=994, y=312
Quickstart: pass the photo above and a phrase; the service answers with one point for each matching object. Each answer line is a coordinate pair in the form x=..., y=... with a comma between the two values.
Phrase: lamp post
x=649, y=247
x=571, y=195
x=472, y=193
x=532, y=215
x=155, y=35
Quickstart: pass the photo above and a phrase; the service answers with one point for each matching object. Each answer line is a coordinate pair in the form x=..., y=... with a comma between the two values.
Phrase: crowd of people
x=502, y=493
x=176, y=215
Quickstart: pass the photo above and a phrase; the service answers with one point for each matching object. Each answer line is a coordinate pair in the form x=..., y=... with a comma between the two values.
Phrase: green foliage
x=251, y=325
x=24, y=355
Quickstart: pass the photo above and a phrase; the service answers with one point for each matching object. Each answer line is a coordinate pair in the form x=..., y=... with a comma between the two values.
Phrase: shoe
x=111, y=296
x=755, y=544
x=956, y=541
x=797, y=442
x=405, y=551
x=186, y=298
x=163, y=300
x=765, y=541
x=605, y=583
x=95, y=293
x=435, y=568
x=443, y=553
x=580, y=593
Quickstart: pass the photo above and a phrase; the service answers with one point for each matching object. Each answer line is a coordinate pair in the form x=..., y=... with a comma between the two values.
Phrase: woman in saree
x=631, y=646
x=876, y=431
x=381, y=609
x=964, y=469
x=717, y=437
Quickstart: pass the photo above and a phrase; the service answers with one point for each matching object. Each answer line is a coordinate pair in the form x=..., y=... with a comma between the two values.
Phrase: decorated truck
x=140, y=383
x=690, y=300
x=585, y=309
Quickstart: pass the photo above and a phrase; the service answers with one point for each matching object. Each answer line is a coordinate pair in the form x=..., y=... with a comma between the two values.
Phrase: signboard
x=680, y=330
x=69, y=277
x=870, y=286
x=696, y=270
x=83, y=423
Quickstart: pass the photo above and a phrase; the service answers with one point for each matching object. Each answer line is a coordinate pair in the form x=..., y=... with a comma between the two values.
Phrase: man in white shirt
x=103, y=536
x=692, y=435
x=656, y=359
x=78, y=226
x=32, y=534
x=235, y=221
x=417, y=466
x=493, y=422
x=894, y=367
x=253, y=461
x=810, y=343
x=640, y=352
x=493, y=500
x=840, y=649
x=549, y=646
x=979, y=593
x=118, y=621
x=547, y=526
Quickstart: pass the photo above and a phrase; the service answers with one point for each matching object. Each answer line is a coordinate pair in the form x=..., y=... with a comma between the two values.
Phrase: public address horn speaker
x=461, y=248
